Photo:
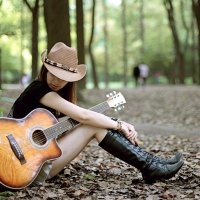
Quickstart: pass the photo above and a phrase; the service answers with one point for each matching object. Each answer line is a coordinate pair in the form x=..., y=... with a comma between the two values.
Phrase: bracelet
x=114, y=119
x=119, y=125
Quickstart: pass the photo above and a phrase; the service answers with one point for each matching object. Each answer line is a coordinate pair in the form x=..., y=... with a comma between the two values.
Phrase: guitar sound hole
x=39, y=137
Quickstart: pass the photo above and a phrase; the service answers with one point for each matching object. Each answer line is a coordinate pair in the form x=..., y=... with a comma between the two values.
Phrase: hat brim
x=64, y=74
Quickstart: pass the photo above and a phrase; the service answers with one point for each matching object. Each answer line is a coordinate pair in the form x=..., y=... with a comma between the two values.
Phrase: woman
x=54, y=89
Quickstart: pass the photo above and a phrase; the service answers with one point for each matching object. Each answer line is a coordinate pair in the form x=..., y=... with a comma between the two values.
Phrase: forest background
x=111, y=37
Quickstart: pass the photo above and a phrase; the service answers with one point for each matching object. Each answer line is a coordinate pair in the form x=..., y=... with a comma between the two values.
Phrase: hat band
x=65, y=67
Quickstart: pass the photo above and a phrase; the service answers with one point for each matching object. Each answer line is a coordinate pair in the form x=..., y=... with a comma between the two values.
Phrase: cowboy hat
x=62, y=62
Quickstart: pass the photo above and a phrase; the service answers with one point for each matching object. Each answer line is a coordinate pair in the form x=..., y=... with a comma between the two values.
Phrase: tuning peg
x=114, y=92
x=107, y=95
x=111, y=94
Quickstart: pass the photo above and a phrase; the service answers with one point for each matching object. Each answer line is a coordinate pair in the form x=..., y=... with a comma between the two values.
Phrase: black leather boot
x=152, y=170
x=159, y=159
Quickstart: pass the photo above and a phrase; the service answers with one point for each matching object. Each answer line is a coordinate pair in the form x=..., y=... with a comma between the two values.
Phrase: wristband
x=114, y=119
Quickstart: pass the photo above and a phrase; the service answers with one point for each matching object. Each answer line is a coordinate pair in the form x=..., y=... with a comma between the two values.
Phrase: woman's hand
x=129, y=132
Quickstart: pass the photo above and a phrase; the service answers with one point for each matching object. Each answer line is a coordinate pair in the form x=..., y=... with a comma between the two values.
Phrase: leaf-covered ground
x=166, y=118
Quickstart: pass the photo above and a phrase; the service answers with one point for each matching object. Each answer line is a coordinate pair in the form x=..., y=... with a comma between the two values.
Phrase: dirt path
x=167, y=119
x=163, y=109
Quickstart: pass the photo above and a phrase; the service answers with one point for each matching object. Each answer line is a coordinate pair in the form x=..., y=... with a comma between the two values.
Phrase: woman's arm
x=82, y=115
x=85, y=116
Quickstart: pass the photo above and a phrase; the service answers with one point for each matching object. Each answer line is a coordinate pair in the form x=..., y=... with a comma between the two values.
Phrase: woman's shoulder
x=36, y=84
x=36, y=87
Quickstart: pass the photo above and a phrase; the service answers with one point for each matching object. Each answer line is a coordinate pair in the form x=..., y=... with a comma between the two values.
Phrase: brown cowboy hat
x=62, y=62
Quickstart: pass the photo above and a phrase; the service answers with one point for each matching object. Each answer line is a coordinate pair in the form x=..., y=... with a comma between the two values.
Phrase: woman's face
x=54, y=82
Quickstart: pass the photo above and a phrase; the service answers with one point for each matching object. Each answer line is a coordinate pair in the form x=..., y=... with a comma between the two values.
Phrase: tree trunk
x=94, y=74
x=185, y=26
x=142, y=30
x=124, y=41
x=34, y=41
x=105, y=29
x=196, y=10
x=80, y=38
x=179, y=58
x=22, y=37
x=193, y=50
x=57, y=22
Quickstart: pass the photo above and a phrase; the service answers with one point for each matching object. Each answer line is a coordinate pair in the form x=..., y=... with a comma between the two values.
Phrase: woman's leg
x=72, y=144
x=152, y=169
x=113, y=142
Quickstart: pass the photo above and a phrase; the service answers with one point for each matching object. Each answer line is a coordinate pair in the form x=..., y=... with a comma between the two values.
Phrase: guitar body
x=24, y=148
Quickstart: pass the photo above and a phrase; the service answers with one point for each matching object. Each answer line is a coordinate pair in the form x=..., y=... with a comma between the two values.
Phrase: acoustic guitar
x=27, y=143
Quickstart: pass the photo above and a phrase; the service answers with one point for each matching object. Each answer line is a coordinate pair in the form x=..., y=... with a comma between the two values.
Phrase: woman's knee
x=98, y=133
x=89, y=132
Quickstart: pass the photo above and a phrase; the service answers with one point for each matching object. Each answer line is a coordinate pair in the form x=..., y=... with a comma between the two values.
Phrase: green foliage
x=4, y=99
x=15, y=37
x=14, y=40
x=89, y=177
x=2, y=110
x=6, y=194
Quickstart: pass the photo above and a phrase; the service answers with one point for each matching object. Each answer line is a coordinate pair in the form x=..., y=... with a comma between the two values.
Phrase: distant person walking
x=25, y=80
x=144, y=73
x=136, y=74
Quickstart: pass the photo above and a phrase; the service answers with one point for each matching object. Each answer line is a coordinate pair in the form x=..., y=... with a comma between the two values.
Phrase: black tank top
x=30, y=100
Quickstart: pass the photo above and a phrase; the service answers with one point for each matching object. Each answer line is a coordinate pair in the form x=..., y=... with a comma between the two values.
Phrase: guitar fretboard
x=65, y=125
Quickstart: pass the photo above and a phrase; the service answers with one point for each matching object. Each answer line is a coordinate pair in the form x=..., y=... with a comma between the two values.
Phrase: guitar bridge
x=16, y=149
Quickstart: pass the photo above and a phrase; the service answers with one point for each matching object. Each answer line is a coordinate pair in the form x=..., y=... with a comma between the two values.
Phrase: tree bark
x=185, y=26
x=179, y=58
x=193, y=50
x=124, y=41
x=94, y=74
x=105, y=30
x=196, y=10
x=57, y=20
x=34, y=42
x=80, y=38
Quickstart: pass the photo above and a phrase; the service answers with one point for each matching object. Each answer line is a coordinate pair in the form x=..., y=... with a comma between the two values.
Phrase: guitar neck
x=65, y=125
x=100, y=108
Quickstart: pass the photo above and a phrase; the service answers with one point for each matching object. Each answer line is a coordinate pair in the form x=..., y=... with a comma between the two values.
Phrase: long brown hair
x=68, y=92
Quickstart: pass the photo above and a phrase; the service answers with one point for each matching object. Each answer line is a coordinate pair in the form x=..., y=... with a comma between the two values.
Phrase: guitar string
x=57, y=128
x=186, y=108
x=102, y=106
x=40, y=133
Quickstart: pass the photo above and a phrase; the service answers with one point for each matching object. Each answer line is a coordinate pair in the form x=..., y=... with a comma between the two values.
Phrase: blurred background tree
x=111, y=37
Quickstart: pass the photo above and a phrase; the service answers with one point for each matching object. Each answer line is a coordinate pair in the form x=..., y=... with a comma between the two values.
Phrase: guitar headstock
x=116, y=100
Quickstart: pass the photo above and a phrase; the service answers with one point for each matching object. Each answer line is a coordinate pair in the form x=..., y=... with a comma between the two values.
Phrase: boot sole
x=151, y=180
